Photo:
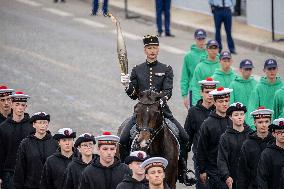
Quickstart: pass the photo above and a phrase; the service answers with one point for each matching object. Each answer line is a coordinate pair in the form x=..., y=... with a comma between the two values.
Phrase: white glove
x=125, y=79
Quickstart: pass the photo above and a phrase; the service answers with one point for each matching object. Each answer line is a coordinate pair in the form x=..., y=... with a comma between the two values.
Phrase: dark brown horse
x=153, y=135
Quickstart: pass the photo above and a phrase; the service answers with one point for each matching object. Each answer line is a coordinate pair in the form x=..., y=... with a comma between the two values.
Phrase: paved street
x=66, y=61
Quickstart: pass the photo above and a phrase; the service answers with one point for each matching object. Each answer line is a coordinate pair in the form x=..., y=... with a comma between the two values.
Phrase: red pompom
x=209, y=79
x=19, y=92
x=261, y=108
x=281, y=123
x=3, y=87
x=220, y=88
x=140, y=155
x=106, y=133
x=66, y=133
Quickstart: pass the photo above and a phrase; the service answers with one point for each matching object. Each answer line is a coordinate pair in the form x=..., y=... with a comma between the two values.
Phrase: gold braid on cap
x=154, y=164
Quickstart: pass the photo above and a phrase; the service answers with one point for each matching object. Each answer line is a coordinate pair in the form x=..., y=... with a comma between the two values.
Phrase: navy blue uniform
x=222, y=13
x=163, y=7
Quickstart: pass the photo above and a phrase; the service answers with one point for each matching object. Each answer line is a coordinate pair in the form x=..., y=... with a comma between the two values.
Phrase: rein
x=153, y=134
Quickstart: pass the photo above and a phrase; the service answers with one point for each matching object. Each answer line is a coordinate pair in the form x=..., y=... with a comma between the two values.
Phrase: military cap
x=262, y=112
x=5, y=91
x=154, y=162
x=107, y=139
x=151, y=40
x=19, y=96
x=40, y=116
x=85, y=137
x=64, y=133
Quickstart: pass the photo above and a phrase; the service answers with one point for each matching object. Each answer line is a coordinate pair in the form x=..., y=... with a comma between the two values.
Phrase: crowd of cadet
x=31, y=158
x=234, y=140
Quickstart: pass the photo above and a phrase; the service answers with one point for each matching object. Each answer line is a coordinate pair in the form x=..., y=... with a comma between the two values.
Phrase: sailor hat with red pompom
x=139, y=156
x=262, y=112
x=107, y=139
x=208, y=83
x=5, y=91
x=19, y=96
x=221, y=92
x=278, y=124
x=64, y=133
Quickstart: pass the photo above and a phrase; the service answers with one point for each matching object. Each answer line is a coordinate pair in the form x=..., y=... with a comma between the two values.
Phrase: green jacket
x=242, y=90
x=204, y=69
x=263, y=95
x=191, y=59
x=225, y=79
x=278, y=104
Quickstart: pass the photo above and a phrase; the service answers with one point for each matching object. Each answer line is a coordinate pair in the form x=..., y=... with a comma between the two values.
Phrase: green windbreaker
x=191, y=59
x=242, y=89
x=278, y=104
x=263, y=95
x=204, y=69
x=225, y=79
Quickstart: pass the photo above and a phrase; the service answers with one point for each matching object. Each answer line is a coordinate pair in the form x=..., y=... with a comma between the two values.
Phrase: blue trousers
x=96, y=6
x=163, y=7
x=8, y=180
x=224, y=15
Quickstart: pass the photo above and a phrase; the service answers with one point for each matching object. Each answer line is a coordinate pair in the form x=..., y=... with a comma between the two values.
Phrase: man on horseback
x=157, y=76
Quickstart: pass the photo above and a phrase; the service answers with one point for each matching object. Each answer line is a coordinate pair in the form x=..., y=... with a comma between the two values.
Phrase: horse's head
x=148, y=117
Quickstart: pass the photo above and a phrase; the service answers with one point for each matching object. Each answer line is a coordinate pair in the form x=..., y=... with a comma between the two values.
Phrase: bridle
x=153, y=131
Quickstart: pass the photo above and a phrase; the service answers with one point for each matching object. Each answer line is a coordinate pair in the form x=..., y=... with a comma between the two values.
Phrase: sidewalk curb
x=238, y=41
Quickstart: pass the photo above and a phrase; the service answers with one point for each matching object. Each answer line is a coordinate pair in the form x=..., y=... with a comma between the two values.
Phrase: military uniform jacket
x=52, y=176
x=270, y=171
x=31, y=157
x=11, y=135
x=74, y=171
x=97, y=176
x=2, y=118
x=249, y=158
x=151, y=75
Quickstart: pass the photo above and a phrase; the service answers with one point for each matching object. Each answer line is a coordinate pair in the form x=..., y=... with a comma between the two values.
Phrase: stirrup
x=186, y=180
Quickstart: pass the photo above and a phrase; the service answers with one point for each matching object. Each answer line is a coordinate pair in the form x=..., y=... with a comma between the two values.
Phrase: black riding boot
x=182, y=173
x=124, y=141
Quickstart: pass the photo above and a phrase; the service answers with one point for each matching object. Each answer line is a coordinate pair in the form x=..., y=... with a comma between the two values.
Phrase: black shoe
x=159, y=34
x=55, y=1
x=63, y=1
x=169, y=35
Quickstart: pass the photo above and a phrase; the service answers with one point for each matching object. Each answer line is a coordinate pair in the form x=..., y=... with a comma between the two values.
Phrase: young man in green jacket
x=205, y=68
x=263, y=93
x=191, y=59
x=278, y=103
x=225, y=74
x=243, y=84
